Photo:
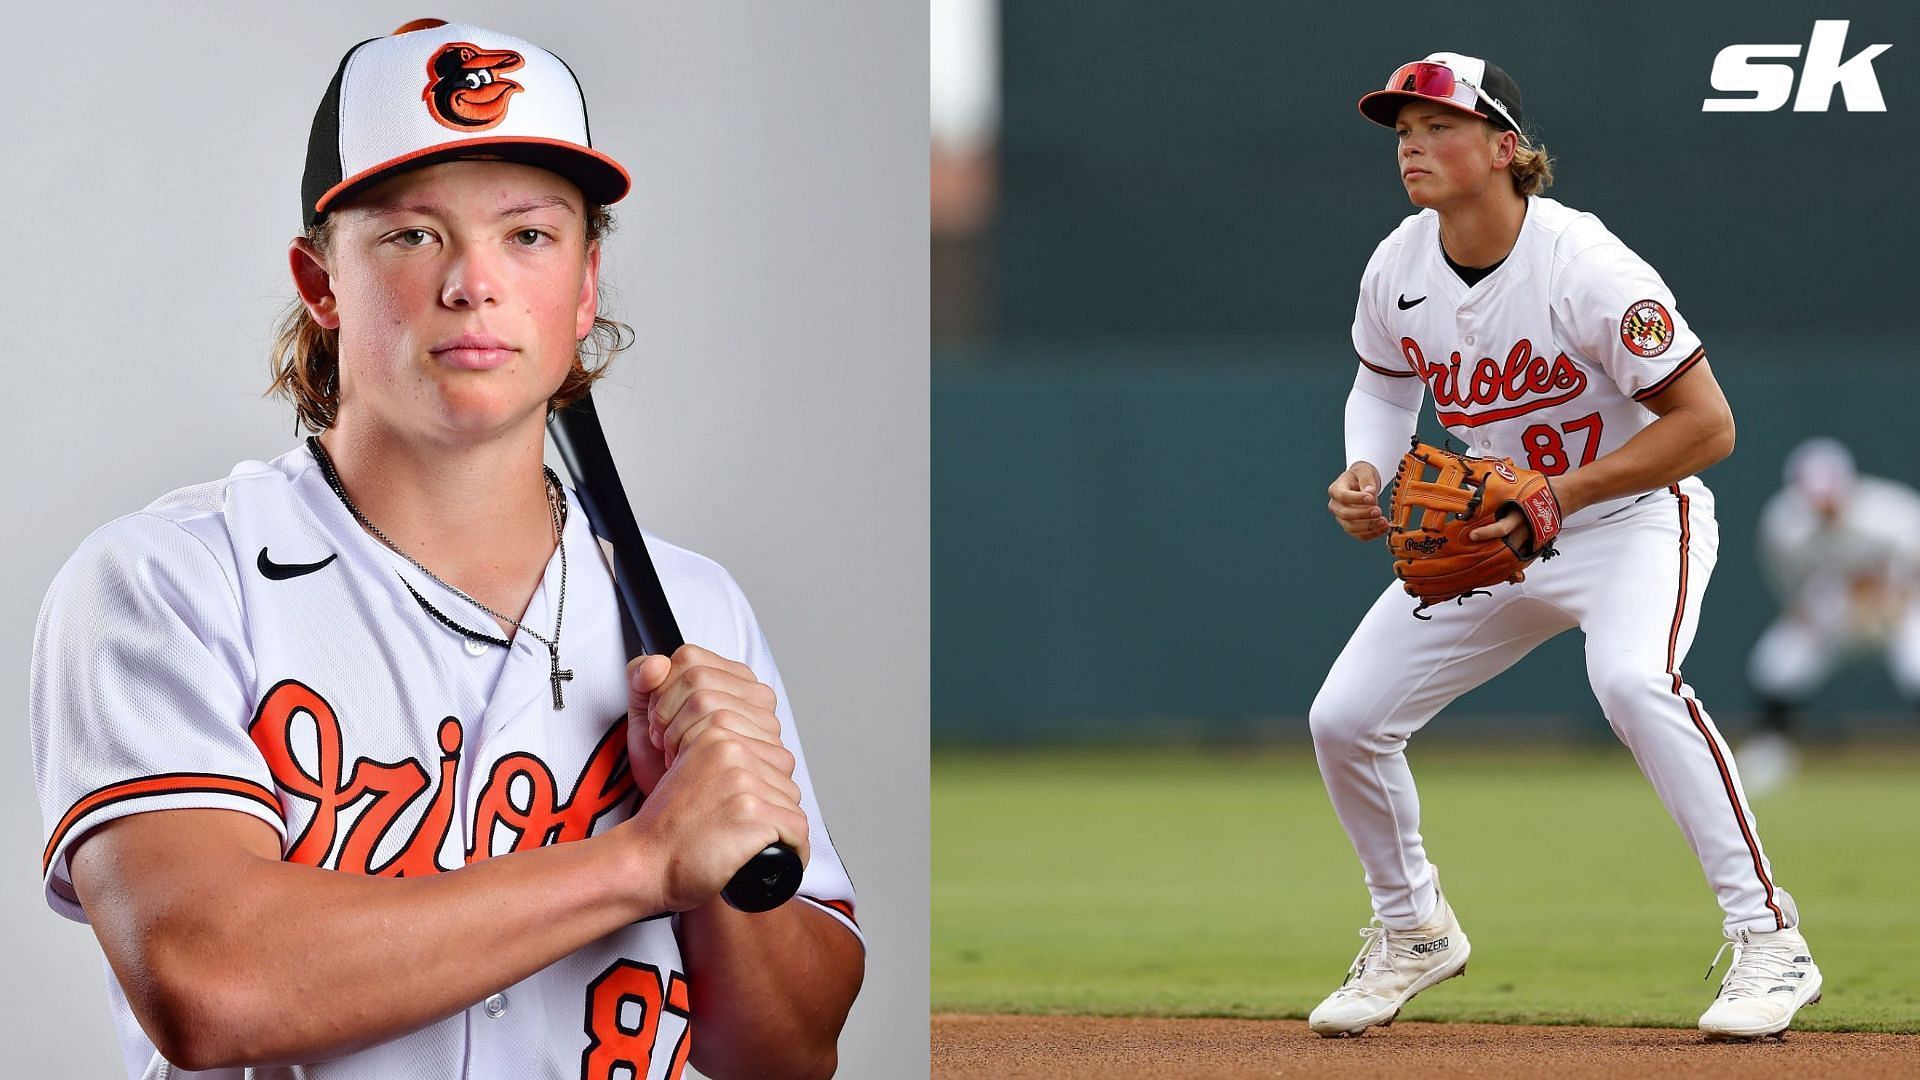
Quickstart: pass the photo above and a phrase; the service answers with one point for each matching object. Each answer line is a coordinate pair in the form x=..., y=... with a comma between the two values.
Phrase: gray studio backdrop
x=1131, y=454
x=773, y=414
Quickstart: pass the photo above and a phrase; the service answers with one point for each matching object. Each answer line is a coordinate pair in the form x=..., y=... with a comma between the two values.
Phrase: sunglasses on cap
x=1440, y=82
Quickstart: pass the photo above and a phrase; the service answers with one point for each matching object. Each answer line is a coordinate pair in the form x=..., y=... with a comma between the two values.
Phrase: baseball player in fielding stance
x=1841, y=552
x=1545, y=340
x=341, y=756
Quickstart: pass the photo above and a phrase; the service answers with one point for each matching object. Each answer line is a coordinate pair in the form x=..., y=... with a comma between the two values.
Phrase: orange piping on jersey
x=158, y=784
x=1700, y=723
x=1378, y=370
x=841, y=906
x=1684, y=366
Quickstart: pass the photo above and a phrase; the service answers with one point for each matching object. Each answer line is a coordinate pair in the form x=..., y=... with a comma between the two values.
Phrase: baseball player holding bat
x=343, y=756
x=1548, y=344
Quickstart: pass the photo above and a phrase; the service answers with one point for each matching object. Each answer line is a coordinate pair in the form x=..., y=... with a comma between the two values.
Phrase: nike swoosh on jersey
x=1406, y=303
x=285, y=571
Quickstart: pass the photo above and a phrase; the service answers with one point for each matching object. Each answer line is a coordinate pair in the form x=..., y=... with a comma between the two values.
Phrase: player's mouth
x=1413, y=174
x=475, y=352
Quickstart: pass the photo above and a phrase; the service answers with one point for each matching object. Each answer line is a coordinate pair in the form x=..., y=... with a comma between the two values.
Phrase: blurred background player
x=1841, y=552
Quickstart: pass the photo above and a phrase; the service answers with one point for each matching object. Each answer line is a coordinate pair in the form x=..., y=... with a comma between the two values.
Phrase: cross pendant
x=558, y=676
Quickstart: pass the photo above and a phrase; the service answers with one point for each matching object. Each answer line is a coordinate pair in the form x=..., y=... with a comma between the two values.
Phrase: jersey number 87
x=1547, y=452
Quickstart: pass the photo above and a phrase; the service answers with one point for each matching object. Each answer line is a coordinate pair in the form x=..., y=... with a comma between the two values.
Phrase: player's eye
x=412, y=237
x=530, y=237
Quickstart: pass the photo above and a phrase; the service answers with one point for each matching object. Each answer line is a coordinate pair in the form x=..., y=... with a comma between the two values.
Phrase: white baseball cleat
x=1773, y=974
x=1392, y=966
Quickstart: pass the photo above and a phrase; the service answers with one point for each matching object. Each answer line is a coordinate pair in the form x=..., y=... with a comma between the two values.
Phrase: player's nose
x=472, y=280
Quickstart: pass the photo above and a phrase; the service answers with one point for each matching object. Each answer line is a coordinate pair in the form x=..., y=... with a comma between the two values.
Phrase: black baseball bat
x=772, y=877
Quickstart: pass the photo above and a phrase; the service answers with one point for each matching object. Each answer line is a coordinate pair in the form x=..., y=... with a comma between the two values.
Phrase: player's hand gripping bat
x=772, y=877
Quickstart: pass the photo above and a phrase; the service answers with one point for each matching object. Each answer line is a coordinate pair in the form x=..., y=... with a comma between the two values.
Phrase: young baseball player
x=341, y=756
x=1543, y=339
x=1842, y=556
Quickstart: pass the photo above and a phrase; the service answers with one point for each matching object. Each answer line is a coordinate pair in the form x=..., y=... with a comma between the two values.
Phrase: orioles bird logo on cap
x=465, y=88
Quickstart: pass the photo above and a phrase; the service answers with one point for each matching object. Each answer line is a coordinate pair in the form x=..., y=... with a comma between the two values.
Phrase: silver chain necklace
x=556, y=504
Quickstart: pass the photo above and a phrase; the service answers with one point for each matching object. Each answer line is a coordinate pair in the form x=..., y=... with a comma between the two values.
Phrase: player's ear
x=589, y=305
x=1506, y=145
x=313, y=282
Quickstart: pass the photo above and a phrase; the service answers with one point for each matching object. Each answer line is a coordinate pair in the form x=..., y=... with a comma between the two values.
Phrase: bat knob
x=768, y=880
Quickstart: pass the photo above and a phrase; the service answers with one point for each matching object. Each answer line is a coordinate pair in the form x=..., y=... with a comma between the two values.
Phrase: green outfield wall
x=1180, y=170
x=1132, y=542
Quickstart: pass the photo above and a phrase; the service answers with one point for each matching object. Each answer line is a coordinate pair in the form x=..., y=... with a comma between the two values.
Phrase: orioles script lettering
x=1526, y=380
x=390, y=788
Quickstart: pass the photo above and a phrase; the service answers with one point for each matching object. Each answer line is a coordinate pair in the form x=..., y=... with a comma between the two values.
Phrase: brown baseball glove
x=1432, y=519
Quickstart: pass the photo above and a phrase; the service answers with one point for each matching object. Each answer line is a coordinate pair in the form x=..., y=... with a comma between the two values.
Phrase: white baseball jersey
x=1875, y=536
x=244, y=644
x=1545, y=360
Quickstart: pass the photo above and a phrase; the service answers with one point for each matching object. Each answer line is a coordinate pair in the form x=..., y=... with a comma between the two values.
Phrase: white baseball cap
x=1821, y=469
x=1452, y=79
x=436, y=91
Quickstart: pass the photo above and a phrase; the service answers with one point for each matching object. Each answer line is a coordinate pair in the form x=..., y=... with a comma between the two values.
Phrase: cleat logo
x=1430, y=946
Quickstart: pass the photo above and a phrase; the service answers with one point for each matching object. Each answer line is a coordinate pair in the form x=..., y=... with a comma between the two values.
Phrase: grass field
x=1181, y=882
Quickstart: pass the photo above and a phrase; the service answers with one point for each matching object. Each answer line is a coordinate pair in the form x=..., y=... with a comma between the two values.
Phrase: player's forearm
x=1378, y=429
x=1682, y=442
x=771, y=990
x=297, y=964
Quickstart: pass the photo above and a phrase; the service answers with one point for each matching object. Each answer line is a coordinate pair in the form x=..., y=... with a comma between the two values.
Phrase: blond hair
x=1532, y=168
x=305, y=357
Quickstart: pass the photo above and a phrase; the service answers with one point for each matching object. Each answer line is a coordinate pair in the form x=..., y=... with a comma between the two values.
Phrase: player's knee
x=1624, y=689
x=1335, y=723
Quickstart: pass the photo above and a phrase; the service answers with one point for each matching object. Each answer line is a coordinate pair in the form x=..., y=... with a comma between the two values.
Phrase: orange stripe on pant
x=1700, y=724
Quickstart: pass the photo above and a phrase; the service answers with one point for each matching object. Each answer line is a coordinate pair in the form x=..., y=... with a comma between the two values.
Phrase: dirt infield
x=1072, y=1047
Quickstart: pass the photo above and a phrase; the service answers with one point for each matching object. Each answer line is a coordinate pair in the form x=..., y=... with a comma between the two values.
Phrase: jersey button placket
x=496, y=1006
x=476, y=648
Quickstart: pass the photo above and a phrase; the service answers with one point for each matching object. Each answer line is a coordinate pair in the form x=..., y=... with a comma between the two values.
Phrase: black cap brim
x=1383, y=107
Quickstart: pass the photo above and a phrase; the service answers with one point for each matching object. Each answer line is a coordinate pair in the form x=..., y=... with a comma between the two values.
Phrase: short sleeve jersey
x=1875, y=539
x=1547, y=359
x=245, y=645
